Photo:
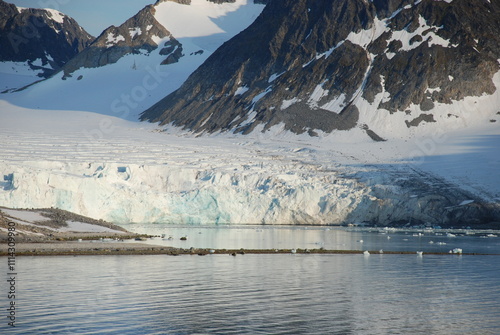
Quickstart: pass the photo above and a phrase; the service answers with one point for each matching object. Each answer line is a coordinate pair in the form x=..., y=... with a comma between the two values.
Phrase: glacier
x=139, y=173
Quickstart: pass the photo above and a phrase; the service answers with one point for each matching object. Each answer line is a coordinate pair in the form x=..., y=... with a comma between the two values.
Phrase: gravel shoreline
x=126, y=248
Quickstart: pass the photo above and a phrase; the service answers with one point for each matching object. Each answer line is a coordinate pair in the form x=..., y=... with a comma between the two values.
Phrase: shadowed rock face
x=134, y=36
x=300, y=55
x=33, y=34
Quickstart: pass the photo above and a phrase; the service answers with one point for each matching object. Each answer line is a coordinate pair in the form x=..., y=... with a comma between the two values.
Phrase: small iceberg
x=420, y=253
x=366, y=253
x=456, y=251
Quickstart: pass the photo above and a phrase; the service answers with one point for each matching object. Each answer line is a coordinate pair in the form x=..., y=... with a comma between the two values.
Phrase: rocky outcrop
x=308, y=64
x=138, y=34
x=38, y=34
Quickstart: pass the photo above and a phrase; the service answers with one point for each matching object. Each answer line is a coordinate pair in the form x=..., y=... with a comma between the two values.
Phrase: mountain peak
x=140, y=34
x=323, y=65
x=45, y=38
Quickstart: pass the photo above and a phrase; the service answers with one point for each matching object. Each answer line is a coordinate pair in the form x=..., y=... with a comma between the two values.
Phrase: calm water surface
x=333, y=238
x=257, y=294
x=266, y=294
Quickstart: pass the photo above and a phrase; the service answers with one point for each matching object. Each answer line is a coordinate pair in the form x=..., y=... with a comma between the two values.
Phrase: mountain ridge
x=124, y=70
x=28, y=34
x=287, y=69
x=139, y=34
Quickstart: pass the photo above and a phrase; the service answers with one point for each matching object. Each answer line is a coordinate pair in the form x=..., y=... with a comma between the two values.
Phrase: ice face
x=187, y=195
x=278, y=192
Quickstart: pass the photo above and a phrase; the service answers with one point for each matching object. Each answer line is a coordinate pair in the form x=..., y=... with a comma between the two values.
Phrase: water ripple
x=259, y=294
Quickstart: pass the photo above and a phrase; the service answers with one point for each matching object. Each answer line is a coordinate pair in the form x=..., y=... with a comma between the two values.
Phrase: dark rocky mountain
x=311, y=63
x=136, y=35
x=31, y=34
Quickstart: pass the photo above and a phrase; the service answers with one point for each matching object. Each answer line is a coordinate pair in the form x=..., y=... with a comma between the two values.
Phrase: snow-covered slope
x=193, y=23
x=135, y=79
x=14, y=75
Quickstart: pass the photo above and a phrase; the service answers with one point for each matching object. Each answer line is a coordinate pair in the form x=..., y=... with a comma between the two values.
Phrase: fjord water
x=315, y=237
x=258, y=294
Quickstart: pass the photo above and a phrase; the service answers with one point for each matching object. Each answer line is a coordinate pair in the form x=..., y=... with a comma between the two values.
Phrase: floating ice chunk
x=366, y=253
x=456, y=251
x=466, y=202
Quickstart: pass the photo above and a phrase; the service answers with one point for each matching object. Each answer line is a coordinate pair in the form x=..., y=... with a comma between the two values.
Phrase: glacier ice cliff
x=259, y=193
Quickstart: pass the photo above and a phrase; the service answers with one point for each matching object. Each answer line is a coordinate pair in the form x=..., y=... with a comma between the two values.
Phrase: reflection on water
x=259, y=294
x=332, y=238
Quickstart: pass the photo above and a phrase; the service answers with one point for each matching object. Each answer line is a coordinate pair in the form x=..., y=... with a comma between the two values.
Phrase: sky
x=93, y=15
